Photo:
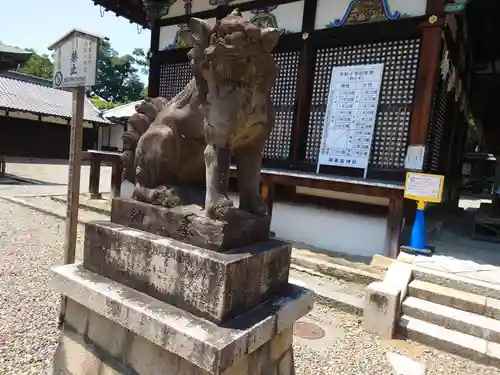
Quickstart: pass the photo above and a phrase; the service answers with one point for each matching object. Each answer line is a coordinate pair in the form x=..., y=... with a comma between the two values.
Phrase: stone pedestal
x=111, y=329
x=189, y=224
x=145, y=304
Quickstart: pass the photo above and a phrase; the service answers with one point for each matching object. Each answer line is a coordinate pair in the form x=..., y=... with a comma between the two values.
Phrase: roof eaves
x=37, y=113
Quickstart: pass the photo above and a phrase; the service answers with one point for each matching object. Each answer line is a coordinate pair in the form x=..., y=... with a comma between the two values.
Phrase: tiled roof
x=123, y=111
x=17, y=94
x=9, y=49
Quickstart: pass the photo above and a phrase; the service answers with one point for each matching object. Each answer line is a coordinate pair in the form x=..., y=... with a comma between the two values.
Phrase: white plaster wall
x=116, y=137
x=337, y=231
x=334, y=230
x=103, y=136
x=110, y=136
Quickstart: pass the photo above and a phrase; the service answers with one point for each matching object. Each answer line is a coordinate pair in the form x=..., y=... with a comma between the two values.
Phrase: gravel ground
x=347, y=350
x=30, y=243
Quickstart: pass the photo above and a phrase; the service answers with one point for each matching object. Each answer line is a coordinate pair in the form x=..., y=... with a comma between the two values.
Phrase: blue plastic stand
x=418, y=238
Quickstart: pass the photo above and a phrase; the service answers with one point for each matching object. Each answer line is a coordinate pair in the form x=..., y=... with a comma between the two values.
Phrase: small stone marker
x=402, y=365
x=399, y=275
x=381, y=309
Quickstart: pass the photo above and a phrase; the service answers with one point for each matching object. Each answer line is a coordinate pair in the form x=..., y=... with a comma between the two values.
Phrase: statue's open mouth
x=230, y=63
x=222, y=51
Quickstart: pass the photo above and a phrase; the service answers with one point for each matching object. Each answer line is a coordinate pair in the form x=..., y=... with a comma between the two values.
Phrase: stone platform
x=212, y=285
x=189, y=224
x=111, y=329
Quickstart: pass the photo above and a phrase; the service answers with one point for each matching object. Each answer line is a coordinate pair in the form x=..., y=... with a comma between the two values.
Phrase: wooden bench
x=96, y=158
x=271, y=177
x=394, y=192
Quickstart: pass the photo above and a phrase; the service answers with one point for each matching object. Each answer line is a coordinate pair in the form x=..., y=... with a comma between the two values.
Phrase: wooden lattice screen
x=175, y=76
x=283, y=97
x=400, y=60
x=438, y=131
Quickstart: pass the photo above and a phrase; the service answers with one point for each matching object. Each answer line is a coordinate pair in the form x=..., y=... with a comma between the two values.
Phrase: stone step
x=340, y=295
x=331, y=267
x=458, y=299
x=454, y=319
x=452, y=341
x=457, y=282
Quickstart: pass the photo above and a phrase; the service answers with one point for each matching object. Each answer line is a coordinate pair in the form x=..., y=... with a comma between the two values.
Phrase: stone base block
x=111, y=329
x=381, y=309
x=78, y=354
x=399, y=275
x=189, y=224
x=215, y=286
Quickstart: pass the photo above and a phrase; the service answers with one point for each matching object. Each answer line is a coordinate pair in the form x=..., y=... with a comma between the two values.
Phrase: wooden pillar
x=394, y=227
x=430, y=58
x=304, y=85
x=95, y=176
x=154, y=62
x=496, y=183
x=116, y=178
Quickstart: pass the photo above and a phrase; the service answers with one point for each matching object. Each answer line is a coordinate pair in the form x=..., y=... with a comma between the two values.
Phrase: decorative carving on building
x=183, y=38
x=216, y=3
x=263, y=17
x=363, y=11
x=156, y=9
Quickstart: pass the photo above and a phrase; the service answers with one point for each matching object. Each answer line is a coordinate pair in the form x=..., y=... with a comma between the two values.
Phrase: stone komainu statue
x=224, y=109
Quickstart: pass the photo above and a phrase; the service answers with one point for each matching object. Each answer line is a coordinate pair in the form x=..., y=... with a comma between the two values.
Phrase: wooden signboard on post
x=75, y=66
x=423, y=188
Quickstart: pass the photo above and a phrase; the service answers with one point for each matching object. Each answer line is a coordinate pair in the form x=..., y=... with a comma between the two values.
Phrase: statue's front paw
x=219, y=210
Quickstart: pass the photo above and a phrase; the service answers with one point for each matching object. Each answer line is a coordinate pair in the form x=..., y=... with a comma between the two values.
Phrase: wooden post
x=116, y=178
x=75, y=162
x=95, y=175
x=394, y=226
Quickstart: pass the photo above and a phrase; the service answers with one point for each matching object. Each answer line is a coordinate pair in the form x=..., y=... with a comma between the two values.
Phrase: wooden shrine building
x=11, y=57
x=428, y=50
x=35, y=118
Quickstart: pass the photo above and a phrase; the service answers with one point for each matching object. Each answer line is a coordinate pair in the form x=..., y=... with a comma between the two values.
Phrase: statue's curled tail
x=140, y=121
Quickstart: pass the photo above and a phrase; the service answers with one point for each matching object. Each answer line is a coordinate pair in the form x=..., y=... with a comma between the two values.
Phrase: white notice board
x=75, y=62
x=350, y=116
x=424, y=187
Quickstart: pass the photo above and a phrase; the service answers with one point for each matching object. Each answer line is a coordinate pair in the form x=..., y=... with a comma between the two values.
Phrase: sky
x=38, y=23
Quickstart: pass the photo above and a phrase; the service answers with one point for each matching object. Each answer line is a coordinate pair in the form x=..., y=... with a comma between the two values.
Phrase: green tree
x=142, y=60
x=118, y=80
x=38, y=65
